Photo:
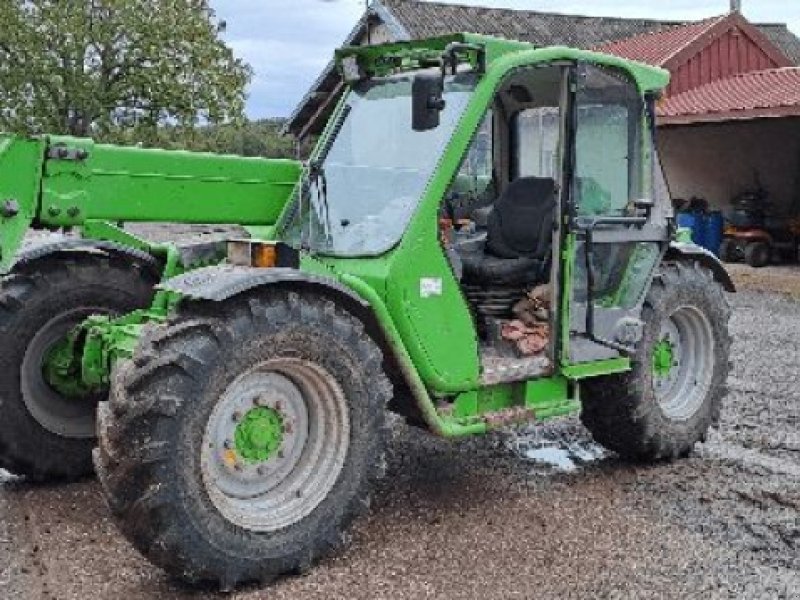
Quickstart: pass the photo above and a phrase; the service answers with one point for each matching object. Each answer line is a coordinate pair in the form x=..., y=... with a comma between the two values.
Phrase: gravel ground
x=782, y=279
x=542, y=513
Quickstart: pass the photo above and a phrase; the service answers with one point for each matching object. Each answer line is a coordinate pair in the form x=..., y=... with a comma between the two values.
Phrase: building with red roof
x=695, y=52
x=723, y=65
x=730, y=118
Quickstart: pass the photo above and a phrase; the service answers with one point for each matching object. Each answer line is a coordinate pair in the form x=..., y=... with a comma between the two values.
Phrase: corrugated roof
x=780, y=35
x=774, y=92
x=426, y=19
x=657, y=48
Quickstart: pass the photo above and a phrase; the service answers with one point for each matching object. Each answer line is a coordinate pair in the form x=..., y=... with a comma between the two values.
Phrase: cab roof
x=382, y=59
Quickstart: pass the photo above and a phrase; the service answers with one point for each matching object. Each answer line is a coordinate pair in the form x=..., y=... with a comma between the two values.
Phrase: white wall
x=718, y=161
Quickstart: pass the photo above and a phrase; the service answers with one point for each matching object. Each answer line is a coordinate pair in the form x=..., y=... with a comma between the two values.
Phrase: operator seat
x=519, y=236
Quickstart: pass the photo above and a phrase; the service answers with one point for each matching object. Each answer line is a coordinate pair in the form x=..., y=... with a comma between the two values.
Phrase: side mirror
x=427, y=91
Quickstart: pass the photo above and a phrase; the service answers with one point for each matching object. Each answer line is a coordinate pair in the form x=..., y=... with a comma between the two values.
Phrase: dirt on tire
x=151, y=433
x=623, y=412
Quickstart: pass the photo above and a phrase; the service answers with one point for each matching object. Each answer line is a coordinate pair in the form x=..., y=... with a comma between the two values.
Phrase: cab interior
x=498, y=224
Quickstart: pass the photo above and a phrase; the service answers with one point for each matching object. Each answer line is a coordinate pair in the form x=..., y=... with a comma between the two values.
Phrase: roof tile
x=746, y=93
x=656, y=48
x=426, y=19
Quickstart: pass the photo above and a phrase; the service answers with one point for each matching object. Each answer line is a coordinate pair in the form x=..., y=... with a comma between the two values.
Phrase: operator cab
x=534, y=164
x=498, y=221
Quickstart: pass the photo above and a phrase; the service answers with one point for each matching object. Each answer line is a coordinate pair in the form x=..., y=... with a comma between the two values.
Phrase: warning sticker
x=430, y=286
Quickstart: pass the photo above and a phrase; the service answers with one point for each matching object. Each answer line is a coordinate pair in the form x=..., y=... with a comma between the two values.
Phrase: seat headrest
x=521, y=224
x=528, y=190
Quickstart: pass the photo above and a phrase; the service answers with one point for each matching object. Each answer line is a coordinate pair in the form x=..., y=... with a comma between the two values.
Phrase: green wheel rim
x=683, y=363
x=663, y=358
x=259, y=434
x=61, y=407
x=275, y=444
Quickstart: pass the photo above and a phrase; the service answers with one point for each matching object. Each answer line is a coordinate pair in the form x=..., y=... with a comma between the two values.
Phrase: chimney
x=736, y=6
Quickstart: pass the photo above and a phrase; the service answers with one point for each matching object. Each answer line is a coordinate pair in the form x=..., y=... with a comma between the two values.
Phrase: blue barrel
x=696, y=223
x=714, y=225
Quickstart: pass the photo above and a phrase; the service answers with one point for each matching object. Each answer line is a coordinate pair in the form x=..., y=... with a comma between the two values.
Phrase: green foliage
x=95, y=67
x=245, y=138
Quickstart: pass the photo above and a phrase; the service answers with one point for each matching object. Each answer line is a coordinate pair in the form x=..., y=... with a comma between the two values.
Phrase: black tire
x=623, y=411
x=153, y=434
x=40, y=437
x=730, y=251
x=757, y=254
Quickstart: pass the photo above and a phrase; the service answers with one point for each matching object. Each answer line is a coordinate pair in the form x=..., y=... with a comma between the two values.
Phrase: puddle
x=564, y=447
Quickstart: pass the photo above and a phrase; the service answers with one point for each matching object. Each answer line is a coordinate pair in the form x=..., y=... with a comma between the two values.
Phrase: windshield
x=361, y=198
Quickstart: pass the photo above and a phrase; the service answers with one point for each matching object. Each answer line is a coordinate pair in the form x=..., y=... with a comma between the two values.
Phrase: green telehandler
x=479, y=240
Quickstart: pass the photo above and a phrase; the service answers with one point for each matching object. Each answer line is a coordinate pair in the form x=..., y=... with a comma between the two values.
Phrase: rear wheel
x=730, y=251
x=47, y=428
x=240, y=447
x=667, y=403
x=757, y=254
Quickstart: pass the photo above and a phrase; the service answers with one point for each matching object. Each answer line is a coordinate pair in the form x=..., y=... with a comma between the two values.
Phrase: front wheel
x=757, y=254
x=242, y=440
x=673, y=395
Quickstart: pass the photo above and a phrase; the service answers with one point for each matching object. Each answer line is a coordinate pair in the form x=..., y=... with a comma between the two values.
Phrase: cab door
x=614, y=239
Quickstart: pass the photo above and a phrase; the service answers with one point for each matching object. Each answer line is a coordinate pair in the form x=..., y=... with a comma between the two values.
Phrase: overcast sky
x=289, y=42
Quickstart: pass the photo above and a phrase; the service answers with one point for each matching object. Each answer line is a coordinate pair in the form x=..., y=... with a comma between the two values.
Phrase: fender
x=81, y=245
x=221, y=282
x=686, y=251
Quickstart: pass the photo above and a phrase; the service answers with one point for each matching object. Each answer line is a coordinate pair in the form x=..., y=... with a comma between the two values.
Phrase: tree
x=246, y=138
x=92, y=67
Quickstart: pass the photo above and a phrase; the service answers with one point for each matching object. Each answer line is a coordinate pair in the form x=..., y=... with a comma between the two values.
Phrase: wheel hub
x=51, y=390
x=275, y=443
x=683, y=363
x=663, y=358
x=259, y=435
